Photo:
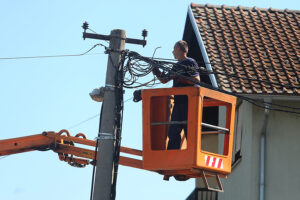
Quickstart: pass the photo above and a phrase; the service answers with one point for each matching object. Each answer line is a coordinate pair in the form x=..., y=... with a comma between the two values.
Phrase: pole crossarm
x=108, y=37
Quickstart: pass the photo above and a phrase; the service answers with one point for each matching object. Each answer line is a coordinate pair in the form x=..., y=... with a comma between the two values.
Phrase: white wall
x=282, y=156
x=240, y=183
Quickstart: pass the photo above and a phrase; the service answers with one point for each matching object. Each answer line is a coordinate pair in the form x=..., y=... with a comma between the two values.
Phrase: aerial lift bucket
x=191, y=160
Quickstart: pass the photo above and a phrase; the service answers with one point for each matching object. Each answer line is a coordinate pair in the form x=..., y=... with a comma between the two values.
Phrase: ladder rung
x=220, y=189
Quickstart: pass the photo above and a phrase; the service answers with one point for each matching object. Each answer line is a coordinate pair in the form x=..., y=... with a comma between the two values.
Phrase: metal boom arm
x=64, y=145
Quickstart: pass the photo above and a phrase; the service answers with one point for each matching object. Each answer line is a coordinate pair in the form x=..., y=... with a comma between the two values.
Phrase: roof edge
x=273, y=97
x=202, y=48
x=245, y=8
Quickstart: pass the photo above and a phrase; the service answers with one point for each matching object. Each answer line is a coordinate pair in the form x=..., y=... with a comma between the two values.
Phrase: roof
x=250, y=43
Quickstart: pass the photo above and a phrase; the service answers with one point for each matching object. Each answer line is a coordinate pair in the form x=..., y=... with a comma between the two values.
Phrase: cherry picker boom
x=63, y=144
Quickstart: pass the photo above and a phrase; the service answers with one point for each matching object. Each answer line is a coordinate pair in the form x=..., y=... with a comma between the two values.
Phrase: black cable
x=118, y=123
x=205, y=71
x=250, y=100
x=165, y=66
x=135, y=69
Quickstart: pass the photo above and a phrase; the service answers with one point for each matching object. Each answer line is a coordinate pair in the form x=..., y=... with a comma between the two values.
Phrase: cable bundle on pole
x=140, y=66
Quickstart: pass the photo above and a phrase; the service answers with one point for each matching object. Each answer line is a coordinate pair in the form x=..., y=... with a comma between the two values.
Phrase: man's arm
x=190, y=80
x=158, y=74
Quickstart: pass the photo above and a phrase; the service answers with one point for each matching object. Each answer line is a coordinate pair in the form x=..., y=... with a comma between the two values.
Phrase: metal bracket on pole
x=109, y=50
x=109, y=87
x=106, y=136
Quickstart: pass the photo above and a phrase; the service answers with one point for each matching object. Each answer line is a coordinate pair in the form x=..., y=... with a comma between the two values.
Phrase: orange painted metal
x=157, y=107
x=25, y=144
x=190, y=160
x=65, y=145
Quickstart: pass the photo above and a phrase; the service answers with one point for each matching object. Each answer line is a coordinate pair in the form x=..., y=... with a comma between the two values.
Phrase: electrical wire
x=207, y=72
x=204, y=71
x=95, y=33
x=135, y=69
x=56, y=56
x=119, y=92
x=82, y=122
x=90, y=118
x=142, y=69
x=260, y=101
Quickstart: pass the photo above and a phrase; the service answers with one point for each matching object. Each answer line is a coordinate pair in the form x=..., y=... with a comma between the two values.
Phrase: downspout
x=202, y=47
x=263, y=151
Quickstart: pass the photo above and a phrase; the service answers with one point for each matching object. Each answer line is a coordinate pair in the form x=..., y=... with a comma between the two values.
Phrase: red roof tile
x=252, y=43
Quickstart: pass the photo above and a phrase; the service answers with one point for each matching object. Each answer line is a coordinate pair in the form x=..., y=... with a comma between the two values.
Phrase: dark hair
x=183, y=45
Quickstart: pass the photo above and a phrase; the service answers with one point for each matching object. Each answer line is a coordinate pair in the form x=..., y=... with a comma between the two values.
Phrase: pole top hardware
x=142, y=42
x=144, y=34
x=85, y=26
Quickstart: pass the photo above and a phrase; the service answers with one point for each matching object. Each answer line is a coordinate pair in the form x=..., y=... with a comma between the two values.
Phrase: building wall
x=282, y=175
x=240, y=183
x=283, y=155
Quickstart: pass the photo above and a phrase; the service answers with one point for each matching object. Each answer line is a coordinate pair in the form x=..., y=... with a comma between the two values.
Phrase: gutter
x=273, y=96
x=263, y=151
x=202, y=47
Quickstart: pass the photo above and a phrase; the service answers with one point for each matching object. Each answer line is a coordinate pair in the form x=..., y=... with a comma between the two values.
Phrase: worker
x=184, y=73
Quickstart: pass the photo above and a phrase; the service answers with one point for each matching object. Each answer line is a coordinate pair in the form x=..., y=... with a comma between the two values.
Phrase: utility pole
x=105, y=175
x=104, y=167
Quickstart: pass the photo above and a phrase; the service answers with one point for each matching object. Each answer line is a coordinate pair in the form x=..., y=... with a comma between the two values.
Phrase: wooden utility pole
x=104, y=177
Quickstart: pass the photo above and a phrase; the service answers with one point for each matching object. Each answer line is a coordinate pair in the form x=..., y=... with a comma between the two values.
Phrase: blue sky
x=51, y=94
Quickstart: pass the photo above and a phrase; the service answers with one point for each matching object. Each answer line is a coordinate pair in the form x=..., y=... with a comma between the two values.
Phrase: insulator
x=145, y=33
x=85, y=26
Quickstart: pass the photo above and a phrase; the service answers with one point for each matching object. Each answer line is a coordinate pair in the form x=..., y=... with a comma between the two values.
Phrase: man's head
x=180, y=50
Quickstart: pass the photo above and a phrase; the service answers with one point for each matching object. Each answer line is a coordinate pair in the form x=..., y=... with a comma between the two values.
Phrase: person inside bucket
x=184, y=74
